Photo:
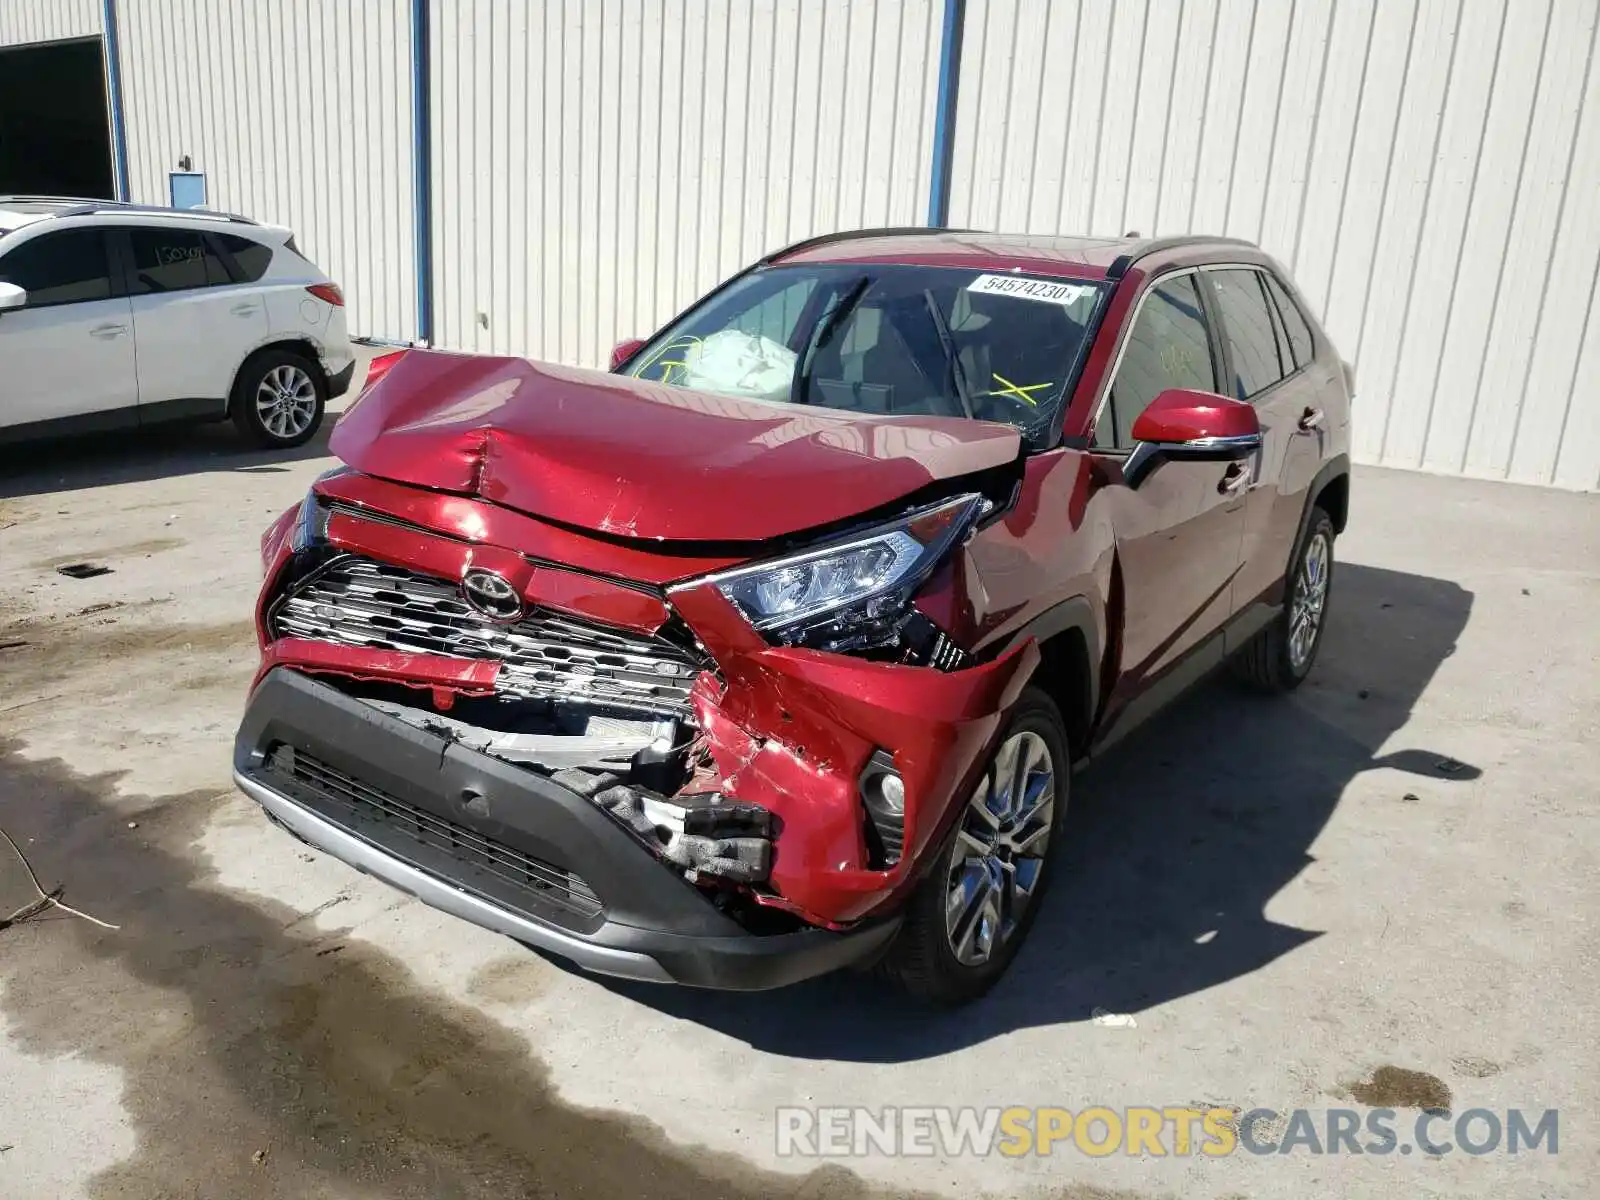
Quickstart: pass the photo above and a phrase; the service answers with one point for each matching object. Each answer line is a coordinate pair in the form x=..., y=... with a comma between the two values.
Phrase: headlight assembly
x=851, y=594
x=311, y=527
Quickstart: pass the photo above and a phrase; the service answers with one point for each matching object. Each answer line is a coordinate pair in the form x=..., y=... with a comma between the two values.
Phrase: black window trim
x=1311, y=326
x=230, y=264
x=1221, y=320
x=121, y=237
x=1223, y=363
x=1219, y=363
x=1256, y=397
x=114, y=277
x=1280, y=329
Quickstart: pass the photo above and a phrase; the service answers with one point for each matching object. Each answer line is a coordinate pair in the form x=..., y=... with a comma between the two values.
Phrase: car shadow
x=98, y=460
x=1178, y=841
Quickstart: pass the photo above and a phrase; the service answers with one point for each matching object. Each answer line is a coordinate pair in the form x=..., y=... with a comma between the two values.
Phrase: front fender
x=792, y=730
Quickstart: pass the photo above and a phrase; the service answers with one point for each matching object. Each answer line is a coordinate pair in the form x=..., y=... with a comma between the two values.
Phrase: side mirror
x=623, y=351
x=11, y=296
x=1182, y=423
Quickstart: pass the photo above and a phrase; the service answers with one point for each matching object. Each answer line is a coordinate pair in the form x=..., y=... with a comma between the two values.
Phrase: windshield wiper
x=837, y=312
x=958, y=374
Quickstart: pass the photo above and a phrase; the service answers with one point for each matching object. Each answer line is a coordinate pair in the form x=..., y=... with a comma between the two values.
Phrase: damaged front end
x=508, y=729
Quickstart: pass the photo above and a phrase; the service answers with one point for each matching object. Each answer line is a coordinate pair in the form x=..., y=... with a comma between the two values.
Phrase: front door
x=1178, y=532
x=68, y=355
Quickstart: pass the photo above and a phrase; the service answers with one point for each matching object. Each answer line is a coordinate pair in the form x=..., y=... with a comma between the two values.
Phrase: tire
x=941, y=965
x=1276, y=659
x=278, y=399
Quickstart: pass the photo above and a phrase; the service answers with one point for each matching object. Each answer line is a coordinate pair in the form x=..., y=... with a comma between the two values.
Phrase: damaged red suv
x=773, y=649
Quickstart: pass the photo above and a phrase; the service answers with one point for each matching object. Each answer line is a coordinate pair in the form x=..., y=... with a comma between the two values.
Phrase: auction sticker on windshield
x=1050, y=291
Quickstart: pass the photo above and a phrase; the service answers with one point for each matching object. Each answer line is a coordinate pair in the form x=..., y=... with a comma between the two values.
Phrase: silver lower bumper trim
x=436, y=893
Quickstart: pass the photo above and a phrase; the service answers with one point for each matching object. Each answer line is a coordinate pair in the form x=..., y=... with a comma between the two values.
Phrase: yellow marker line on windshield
x=1021, y=393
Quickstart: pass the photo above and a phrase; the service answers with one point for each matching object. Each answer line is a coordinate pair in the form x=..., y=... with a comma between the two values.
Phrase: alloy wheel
x=1309, y=599
x=286, y=401
x=999, y=852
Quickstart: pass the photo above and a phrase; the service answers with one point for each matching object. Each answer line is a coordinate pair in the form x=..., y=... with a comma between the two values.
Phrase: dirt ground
x=1379, y=892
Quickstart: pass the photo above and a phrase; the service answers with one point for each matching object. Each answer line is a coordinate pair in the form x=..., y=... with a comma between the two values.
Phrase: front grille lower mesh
x=544, y=656
x=369, y=807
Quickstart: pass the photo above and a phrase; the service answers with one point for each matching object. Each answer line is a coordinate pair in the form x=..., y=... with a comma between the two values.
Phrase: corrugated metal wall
x=24, y=21
x=600, y=163
x=299, y=113
x=1427, y=168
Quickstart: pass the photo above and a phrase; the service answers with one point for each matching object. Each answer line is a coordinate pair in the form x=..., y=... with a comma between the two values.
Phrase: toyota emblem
x=491, y=594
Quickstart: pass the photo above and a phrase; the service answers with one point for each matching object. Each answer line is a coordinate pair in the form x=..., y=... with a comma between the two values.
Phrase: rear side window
x=1294, y=321
x=1251, y=332
x=69, y=267
x=252, y=258
x=1168, y=347
x=173, y=260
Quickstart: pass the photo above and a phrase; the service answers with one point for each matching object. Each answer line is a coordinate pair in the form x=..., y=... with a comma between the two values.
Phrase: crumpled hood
x=637, y=459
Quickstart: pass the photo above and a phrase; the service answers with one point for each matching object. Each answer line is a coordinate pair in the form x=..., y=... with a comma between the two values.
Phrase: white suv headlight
x=851, y=594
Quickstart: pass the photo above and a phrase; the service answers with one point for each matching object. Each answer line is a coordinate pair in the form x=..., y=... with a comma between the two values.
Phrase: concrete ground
x=1395, y=868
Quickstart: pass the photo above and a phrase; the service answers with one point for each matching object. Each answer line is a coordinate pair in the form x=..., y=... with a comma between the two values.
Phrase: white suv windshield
x=886, y=340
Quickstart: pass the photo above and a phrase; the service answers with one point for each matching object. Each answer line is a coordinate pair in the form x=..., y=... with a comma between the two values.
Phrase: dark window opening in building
x=55, y=136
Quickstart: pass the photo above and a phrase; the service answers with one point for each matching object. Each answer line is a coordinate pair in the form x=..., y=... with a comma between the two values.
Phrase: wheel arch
x=299, y=346
x=1329, y=491
x=1069, y=639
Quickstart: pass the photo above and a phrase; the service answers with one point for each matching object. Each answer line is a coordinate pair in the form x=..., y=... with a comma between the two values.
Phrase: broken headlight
x=311, y=526
x=854, y=594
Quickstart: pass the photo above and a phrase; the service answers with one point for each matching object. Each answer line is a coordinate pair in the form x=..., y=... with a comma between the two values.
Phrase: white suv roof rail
x=78, y=206
x=156, y=210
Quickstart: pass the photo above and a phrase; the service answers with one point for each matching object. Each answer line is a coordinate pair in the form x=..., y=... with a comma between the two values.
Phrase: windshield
x=886, y=340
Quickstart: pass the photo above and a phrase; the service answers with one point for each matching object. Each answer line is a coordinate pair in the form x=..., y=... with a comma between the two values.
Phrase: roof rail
x=1119, y=265
x=850, y=235
x=6, y=199
x=89, y=208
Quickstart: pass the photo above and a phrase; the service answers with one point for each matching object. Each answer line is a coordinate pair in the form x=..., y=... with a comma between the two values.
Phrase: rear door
x=1178, y=533
x=69, y=352
x=194, y=324
x=1271, y=363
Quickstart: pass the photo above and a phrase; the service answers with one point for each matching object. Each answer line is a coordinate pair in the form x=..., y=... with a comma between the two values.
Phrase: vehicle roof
x=17, y=211
x=1074, y=257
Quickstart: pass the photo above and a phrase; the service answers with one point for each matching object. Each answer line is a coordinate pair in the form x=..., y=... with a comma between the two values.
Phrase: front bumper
x=503, y=847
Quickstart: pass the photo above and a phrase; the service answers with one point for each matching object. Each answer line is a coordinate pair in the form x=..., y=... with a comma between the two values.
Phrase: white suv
x=114, y=316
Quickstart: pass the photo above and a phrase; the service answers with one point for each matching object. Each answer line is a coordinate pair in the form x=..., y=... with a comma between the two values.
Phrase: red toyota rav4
x=774, y=649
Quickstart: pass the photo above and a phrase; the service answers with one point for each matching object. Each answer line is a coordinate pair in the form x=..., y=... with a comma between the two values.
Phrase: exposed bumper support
x=493, y=844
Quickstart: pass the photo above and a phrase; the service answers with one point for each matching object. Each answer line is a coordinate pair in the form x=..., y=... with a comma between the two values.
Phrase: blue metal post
x=422, y=162
x=119, y=135
x=944, y=124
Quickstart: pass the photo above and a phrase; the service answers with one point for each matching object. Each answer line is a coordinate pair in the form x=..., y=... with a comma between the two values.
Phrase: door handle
x=1310, y=419
x=108, y=331
x=1235, y=479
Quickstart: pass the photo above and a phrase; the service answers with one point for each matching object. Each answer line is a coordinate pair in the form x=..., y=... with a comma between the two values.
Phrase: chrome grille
x=370, y=806
x=543, y=656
